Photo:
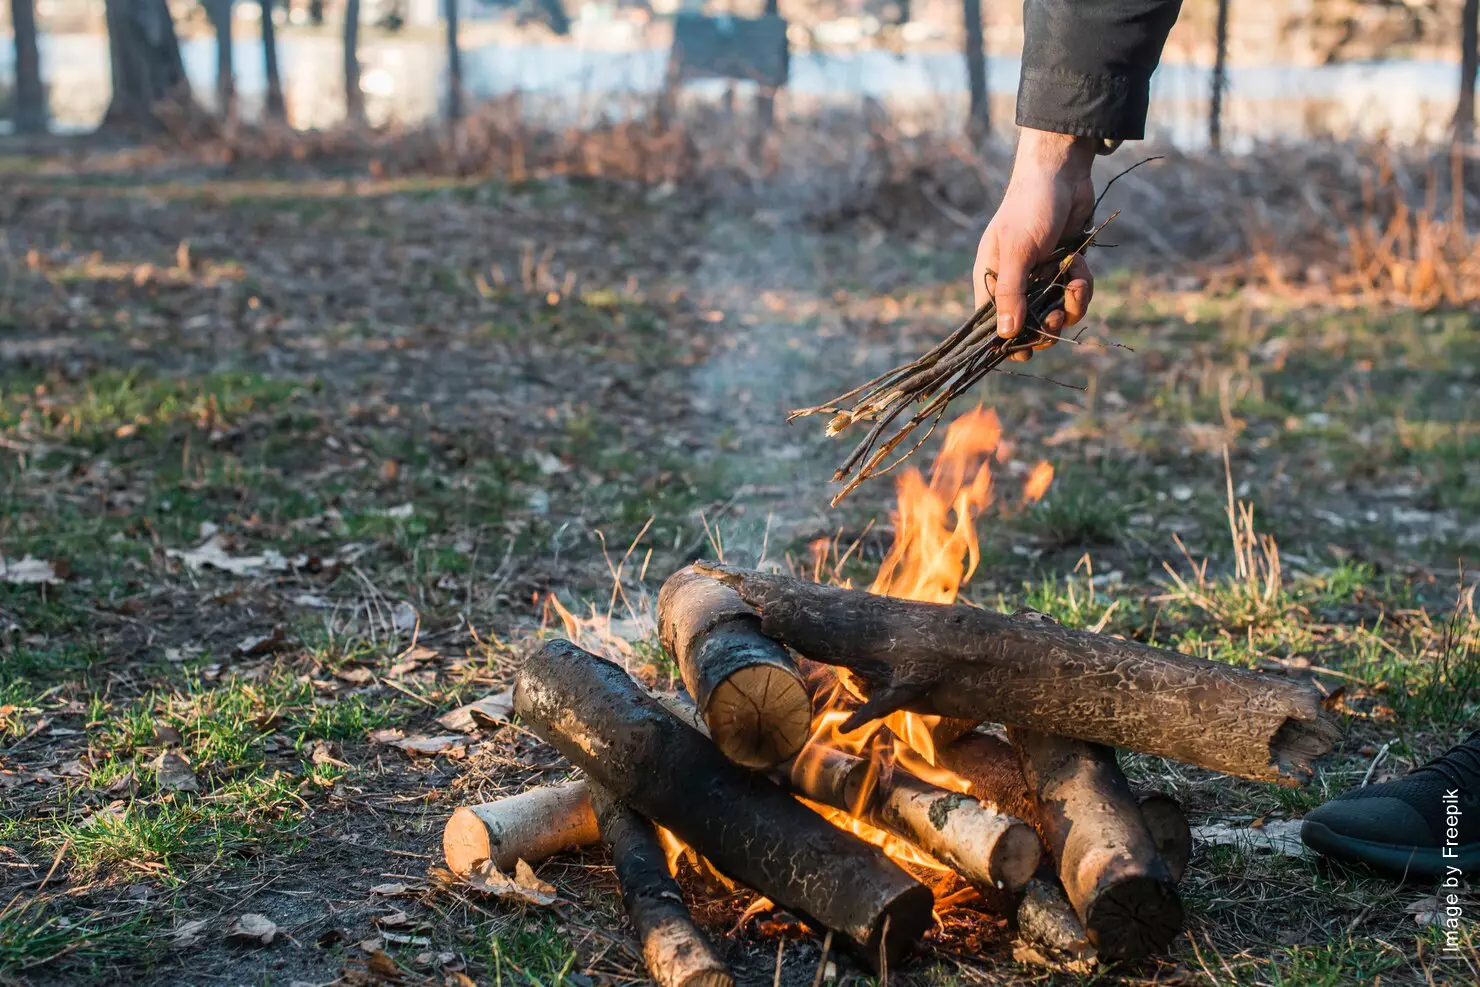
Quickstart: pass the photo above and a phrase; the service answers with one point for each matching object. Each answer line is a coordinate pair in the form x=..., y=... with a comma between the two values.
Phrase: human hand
x=1049, y=195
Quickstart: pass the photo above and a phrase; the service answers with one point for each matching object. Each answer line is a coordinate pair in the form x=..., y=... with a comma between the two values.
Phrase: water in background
x=1403, y=101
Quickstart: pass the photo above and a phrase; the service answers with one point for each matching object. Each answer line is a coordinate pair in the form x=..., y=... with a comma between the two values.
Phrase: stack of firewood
x=726, y=770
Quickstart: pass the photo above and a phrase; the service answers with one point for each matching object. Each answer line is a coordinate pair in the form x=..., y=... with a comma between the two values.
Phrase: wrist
x=1061, y=154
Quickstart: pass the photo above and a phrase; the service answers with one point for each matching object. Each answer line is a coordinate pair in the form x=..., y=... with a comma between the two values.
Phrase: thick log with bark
x=1107, y=860
x=746, y=685
x=984, y=846
x=990, y=766
x=979, y=664
x=529, y=826
x=676, y=953
x=743, y=823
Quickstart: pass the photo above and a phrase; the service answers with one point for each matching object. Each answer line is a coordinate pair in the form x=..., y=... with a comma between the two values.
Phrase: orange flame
x=935, y=551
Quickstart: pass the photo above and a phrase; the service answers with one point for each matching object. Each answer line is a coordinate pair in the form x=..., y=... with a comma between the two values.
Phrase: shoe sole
x=1402, y=862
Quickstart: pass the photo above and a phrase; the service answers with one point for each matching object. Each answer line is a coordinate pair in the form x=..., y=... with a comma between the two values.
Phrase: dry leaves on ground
x=523, y=886
x=253, y=927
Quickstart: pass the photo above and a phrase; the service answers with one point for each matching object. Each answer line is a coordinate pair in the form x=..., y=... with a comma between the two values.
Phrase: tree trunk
x=746, y=685
x=146, y=68
x=674, y=950
x=747, y=826
x=274, y=109
x=30, y=98
x=1469, y=61
x=454, y=65
x=316, y=12
x=219, y=12
x=354, y=97
x=979, y=120
x=1220, y=78
x=979, y=664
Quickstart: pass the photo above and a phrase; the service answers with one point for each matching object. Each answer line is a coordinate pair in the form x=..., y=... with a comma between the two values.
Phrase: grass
x=434, y=447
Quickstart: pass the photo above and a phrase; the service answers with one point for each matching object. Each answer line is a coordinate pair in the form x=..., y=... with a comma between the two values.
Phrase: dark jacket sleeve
x=1087, y=65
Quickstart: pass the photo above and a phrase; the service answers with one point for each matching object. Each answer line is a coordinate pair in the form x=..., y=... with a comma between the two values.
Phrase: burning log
x=746, y=685
x=529, y=826
x=984, y=846
x=743, y=823
x=990, y=766
x=829, y=691
x=676, y=953
x=1119, y=885
x=1110, y=849
x=978, y=664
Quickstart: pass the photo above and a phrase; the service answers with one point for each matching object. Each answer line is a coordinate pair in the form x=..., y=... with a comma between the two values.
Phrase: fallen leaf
x=168, y=735
x=355, y=676
x=487, y=713
x=253, y=927
x=430, y=958
x=403, y=617
x=400, y=511
x=323, y=752
x=212, y=554
x=1277, y=835
x=394, y=918
x=261, y=644
x=187, y=933
x=28, y=571
x=1426, y=910
x=431, y=746
x=172, y=773
x=386, y=736
x=390, y=890
x=523, y=886
x=110, y=813
x=125, y=784
x=383, y=967
x=403, y=939
x=311, y=600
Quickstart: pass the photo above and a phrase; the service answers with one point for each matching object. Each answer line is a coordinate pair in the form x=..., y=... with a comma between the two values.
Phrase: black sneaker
x=1415, y=827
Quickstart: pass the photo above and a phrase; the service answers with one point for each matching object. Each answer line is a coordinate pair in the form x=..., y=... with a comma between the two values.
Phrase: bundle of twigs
x=943, y=374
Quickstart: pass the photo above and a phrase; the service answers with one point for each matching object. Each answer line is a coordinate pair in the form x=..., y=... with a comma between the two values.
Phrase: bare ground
x=307, y=457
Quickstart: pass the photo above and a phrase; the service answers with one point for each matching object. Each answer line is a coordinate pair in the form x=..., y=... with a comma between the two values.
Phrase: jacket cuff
x=1106, y=107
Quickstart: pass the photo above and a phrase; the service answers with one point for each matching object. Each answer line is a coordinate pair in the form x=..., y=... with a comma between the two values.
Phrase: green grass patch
x=537, y=953
x=35, y=934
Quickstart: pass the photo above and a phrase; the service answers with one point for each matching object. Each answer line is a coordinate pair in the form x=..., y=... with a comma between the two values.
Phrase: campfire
x=837, y=753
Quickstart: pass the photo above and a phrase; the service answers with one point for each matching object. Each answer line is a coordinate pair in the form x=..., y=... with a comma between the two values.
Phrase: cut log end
x=1017, y=855
x=759, y=716
x=1299, y=742
x=465, y=841
x=746, y=685
x=529, y=826
x=1133, y=918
